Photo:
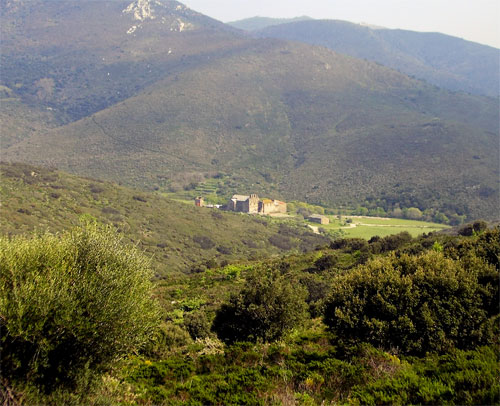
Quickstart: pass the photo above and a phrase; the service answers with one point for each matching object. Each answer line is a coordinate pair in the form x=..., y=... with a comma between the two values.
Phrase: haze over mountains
x=259, y=23
x=445, y=61
x=149, y=92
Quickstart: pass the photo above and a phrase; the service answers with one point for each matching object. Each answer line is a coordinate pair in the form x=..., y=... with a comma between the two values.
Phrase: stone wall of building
x=252, y=204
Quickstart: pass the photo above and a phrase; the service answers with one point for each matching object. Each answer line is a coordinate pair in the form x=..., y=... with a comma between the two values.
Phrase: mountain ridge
x=258, y=23
x=443, y=60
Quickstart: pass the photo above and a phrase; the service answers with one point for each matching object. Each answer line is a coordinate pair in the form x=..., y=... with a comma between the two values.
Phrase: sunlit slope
x=313, y=124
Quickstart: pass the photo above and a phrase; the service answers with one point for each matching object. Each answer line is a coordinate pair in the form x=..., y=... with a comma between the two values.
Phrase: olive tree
x=71, y=304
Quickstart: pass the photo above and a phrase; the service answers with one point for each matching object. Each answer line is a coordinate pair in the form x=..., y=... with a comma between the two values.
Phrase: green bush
x=269, y=305
x=167, y=337
x=197, y=325
x=415, y=304
x=71, y=304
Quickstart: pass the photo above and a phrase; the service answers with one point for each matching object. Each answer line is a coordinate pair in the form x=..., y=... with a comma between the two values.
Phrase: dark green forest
x=393, y=320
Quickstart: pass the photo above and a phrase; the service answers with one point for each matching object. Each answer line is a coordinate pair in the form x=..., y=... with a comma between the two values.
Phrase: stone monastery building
x=253, y=205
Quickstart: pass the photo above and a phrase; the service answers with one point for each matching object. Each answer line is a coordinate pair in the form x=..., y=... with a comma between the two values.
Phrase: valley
x=178, y=238
x=272, y=211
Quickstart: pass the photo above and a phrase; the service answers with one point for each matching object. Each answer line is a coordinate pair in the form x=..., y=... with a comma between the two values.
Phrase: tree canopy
x=266, y=308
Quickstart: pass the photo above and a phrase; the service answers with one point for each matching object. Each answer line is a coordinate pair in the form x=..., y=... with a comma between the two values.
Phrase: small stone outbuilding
x=198, y=201
x=318, y=218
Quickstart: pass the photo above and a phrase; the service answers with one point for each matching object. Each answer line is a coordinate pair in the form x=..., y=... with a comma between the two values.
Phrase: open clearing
x=367, y=227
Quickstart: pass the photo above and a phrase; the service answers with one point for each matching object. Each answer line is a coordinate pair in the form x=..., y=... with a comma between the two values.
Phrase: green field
x=367, y=227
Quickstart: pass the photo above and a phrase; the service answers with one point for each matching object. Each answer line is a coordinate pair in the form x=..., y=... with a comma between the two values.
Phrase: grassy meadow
x=368, y=227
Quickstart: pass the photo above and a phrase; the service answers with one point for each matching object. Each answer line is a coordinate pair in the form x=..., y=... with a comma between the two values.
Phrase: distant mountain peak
x=142, y=10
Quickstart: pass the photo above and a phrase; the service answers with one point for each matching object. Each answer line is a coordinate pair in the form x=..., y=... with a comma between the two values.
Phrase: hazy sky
x=474, y=20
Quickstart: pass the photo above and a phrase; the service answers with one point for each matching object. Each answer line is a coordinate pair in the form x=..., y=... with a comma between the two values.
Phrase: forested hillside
x=346, y=132
x=442, y=60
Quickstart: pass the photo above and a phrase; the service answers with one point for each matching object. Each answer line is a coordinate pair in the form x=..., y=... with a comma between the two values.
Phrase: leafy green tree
x=414, y=303
x=269, y=305
x=71, y=304
x=197, y=324
x=413, y=213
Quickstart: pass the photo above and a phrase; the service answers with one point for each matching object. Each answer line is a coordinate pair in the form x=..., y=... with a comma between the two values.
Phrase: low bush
x=71, y=304
x=414, y=303
x=204, y=242
x=268, y=306
x=461, y=377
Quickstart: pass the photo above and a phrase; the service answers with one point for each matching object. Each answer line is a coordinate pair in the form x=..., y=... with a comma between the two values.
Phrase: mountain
x=276, y=117
x=445, y=61
x=79, y=57
x=258, y=23
x=177, y=236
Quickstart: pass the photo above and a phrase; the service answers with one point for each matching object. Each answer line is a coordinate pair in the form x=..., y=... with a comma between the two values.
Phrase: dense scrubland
x=396, y=320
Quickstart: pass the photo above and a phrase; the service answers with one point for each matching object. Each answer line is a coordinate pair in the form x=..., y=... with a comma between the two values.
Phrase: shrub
x=474, y=228
x=349, y=244
x=96, y=189
x=197, y=325
x=416, y=304
x=281, y=241
x=225, y=250
x=167, y=337
x=269, y=305
x=325, y=262
x=139, y=198
x=71, y=304
x=461, y=377
x=204, y=242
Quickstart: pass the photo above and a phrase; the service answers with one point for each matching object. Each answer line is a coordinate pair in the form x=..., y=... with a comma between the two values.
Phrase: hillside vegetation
x=178, y=237
x=258, y=23
x=394, y=320
x=340, y=133
x=448, y=62
x=79, y=57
